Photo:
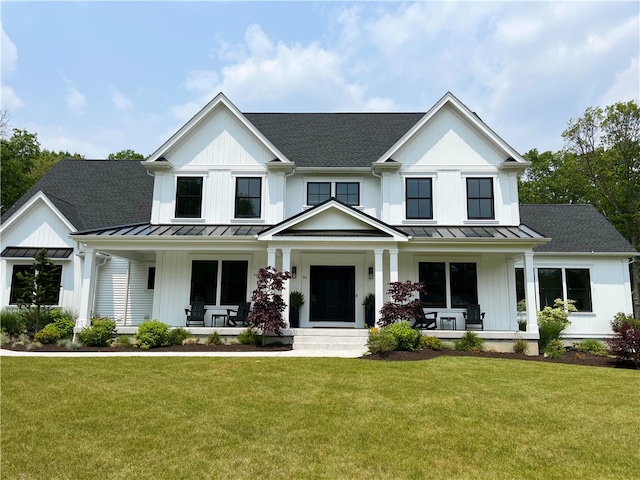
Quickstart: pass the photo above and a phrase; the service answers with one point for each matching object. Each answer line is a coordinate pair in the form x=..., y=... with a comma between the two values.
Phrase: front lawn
x=248, y=418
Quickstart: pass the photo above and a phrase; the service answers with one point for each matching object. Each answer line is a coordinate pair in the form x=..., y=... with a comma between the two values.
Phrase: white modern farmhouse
x=346, y=202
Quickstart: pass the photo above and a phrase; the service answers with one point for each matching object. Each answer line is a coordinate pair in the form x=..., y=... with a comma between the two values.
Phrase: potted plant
x=369, y=304
x=296, y=300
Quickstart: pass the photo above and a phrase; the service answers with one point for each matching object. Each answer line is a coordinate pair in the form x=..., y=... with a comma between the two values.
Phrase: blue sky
x=100, y=77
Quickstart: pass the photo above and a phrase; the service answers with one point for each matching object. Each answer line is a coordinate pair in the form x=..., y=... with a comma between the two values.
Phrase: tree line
x=599, y=165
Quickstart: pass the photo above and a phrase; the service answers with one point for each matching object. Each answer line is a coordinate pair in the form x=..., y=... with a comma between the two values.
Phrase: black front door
x=332, y=293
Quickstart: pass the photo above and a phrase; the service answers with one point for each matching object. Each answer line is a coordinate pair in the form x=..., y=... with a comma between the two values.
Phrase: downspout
x=126, y=295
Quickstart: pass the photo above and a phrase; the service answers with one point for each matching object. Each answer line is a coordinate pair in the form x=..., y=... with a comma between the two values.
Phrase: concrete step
x=353, y=340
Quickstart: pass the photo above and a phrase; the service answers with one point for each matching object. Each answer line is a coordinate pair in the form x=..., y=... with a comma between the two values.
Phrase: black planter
x=368, y=318
x=294, y=318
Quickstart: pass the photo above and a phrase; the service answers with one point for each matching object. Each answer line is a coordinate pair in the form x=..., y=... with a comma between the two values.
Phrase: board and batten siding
x=39, y=226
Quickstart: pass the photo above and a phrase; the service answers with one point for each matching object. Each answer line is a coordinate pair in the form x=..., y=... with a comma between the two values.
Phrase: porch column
x=271, y=257
x=286, y=267
x=379, y=279
x=87, y=287
x=393, y=265
x=530, y=293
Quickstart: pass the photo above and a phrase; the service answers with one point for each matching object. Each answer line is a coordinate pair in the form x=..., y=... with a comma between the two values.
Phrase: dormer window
x=248, y=195
x=189, y=197
x=480, y=199
x=346, y=192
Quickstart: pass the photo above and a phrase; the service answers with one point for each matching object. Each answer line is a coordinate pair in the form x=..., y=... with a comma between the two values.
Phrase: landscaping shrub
x=553, y=320
x=4, y=337
x=554, y=349
x=190, y=341
x=100, y=334
x=177, y=336
x=49, y=334
x=152, y=334
x=64, y=320
x=408, y=339
x=68, y=344
x=249, y=336
x=470, y=342
x=520, y=346
x=122, y=341
x=625, y=344
x=12, y=321
x=431, y=343
x=592, y=346
x=381, y=341
x=214, y=339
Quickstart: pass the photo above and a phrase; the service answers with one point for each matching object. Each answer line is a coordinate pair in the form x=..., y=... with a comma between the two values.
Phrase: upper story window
x=480, y=199
x=348, y=192
x=248, y=195
x=419, y=199
x=189, y=197
x=318, y=192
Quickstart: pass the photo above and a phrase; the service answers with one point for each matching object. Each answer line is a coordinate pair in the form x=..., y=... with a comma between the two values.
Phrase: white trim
x=22, y=211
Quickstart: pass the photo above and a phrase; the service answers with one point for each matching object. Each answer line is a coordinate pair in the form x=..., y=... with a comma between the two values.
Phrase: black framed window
x=549, y=286
x=480, y=198
x=520, y=284
x=318, y=192
x=419, y=201
x=432, y=275
x=204, y=281
x=464, y=284
x=248, y=195
x=19, y=287
x=234, y=282
x=151, y=278
x=348, y=192
x=579, y=288
x=189, y=197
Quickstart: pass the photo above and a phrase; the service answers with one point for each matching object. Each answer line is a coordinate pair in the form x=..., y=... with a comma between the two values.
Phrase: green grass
x=248, y=418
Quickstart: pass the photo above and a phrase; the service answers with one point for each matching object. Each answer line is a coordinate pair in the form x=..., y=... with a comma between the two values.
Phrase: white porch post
x=286, y=267
x=271, y=257
x=393, y=265
x=379, y=279
x=86, y=294
x=530, y=293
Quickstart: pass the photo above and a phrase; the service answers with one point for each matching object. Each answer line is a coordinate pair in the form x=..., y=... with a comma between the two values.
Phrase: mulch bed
x=570, y=357
x=198, y=347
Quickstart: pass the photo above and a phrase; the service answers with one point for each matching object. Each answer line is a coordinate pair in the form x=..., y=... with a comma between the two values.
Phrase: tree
x=268, y=304
x=23, y=164
x=126, y=155
x=40, y=287
x=19, y=154
x=606, y=143
x=5, y=116
x=401, y=306
x=552, y=178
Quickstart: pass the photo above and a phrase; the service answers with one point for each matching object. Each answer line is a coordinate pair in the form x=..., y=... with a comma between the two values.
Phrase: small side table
x=216, y=316
x=450, y=321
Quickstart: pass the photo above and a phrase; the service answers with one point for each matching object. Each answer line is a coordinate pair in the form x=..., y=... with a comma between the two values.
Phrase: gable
x=38, y=225
x=330, y=219
x=219, y=139
x=448, y=139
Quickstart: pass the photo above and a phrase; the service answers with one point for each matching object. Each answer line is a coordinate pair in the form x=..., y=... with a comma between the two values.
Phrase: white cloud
x=119, y=99
x=9, y=99
x=279, y=75
x=76, y=100
x=9, y=54
x=625, y=87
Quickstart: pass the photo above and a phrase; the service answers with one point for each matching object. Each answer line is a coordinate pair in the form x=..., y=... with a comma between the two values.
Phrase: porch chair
x=241, y=315
x=473, y=317
x=426, y=321
x=195, y=315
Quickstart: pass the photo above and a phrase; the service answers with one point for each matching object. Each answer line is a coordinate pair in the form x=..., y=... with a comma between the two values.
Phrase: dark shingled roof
x=333, y=139
x=96, y=193
x=573, y=228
